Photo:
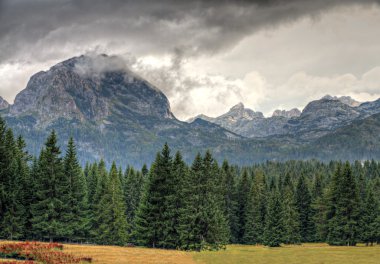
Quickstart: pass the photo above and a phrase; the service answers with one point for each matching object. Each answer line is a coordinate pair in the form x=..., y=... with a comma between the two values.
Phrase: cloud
x=46, y=29
x=192, y=93
x=185, y=47
x=93, y=65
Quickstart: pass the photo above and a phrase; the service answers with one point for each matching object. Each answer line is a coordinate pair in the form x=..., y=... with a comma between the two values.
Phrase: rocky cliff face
x=233, y=119
x=79, y=89
x=3, y=103
x=344, y=99
x=288, y=114
x=318, y=118
x=116, y=115
x=111, y=112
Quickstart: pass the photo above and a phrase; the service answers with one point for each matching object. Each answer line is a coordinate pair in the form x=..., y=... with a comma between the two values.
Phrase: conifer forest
x=174, y=205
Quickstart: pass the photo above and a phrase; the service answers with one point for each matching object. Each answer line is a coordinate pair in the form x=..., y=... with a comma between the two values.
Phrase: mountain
x=3, y=103
x=344, y=99
x=111, y=112
x=318, y=118
x=234, y=116
x=236, y=120
x=93, y=95
x=360, y=138
x=114, y=114
x=288, y=114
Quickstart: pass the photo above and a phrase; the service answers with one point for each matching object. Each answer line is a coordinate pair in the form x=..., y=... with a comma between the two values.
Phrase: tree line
x=202, y=206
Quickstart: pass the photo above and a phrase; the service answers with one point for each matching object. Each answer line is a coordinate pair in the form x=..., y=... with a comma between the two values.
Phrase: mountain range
x=114, y=114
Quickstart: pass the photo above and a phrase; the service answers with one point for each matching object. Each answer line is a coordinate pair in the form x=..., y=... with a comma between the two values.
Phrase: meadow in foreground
x=235, y=254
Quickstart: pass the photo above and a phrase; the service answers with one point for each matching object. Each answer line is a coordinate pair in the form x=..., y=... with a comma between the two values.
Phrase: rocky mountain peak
x=3, y=103
x=288, y=114
x=90, y=88
x=237, y=107
x=239, y=112
x=348, y=100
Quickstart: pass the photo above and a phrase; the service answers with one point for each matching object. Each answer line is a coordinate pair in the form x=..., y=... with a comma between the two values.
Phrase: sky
x=206, y=56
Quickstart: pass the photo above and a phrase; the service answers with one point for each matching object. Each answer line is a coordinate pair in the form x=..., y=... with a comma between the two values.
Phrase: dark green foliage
x=303, y=203
x=132, y=191
x=256, y=211
x=344, y=209
x=50, y=181
x=244, y=187
x=15, y=176
x=152, y=219
x=203, y=224
x=112, y=224
x=290, y=216
x=174, y=206
x=273, y=225
x=229, y=190
x=75, y=211
x=369, y=219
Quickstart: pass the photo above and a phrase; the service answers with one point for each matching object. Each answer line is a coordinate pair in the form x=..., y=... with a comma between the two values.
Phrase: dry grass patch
x=130, y=255
x=300, y=254
x=235, y=254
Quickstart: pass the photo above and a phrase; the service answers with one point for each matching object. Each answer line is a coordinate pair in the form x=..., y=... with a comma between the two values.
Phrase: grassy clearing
x=304, y=254
x=113, y=254
x=235, y=254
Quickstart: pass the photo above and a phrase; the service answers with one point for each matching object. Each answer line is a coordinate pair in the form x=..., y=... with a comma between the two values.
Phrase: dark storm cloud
x=40, y=30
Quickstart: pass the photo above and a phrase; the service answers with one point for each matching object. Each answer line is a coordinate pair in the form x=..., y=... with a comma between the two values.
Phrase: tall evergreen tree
x=343, y=220
x=15, y=174
x=290, y=217
x=3, y=164
x=75, y=212
x=132, y=191
x=230, y=203
x=151, y=220
x=202, y=222
x=273, y=225
x=303, y=203
x=242, y=200
x=368, y=219
x=173, y=202
x=47, y=224
x=256, y=210
x=112, y=220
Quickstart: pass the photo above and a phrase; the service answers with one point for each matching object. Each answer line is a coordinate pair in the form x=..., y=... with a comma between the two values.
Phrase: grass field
x=235, y=254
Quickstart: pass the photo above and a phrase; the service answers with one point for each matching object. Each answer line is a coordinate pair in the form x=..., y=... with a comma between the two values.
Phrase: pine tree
x=14, y=217
x=256, y=210
x=343, y=218
x=242, y=200
x=368, y=218
x=290, y=217
x=132, y=191
x=320, y=216
x=3, y=164
x=230, y=203
x=102, y=181
x=303, y=203
x=273, y=225
x=173, y=202
x=215, y=226
x=111, y=216
x=202, y=222
x=75, y=212
x=192, y=207
x=49, y=192
x=151, y=221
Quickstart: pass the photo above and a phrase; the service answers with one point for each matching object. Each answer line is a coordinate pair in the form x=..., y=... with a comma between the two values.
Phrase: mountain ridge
x=114, y=114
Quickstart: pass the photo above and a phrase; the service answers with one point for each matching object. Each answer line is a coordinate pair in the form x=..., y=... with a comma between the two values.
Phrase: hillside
x=114, y=114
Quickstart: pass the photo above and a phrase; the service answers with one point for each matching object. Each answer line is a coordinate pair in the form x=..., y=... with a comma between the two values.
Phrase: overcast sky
x=205, y=56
